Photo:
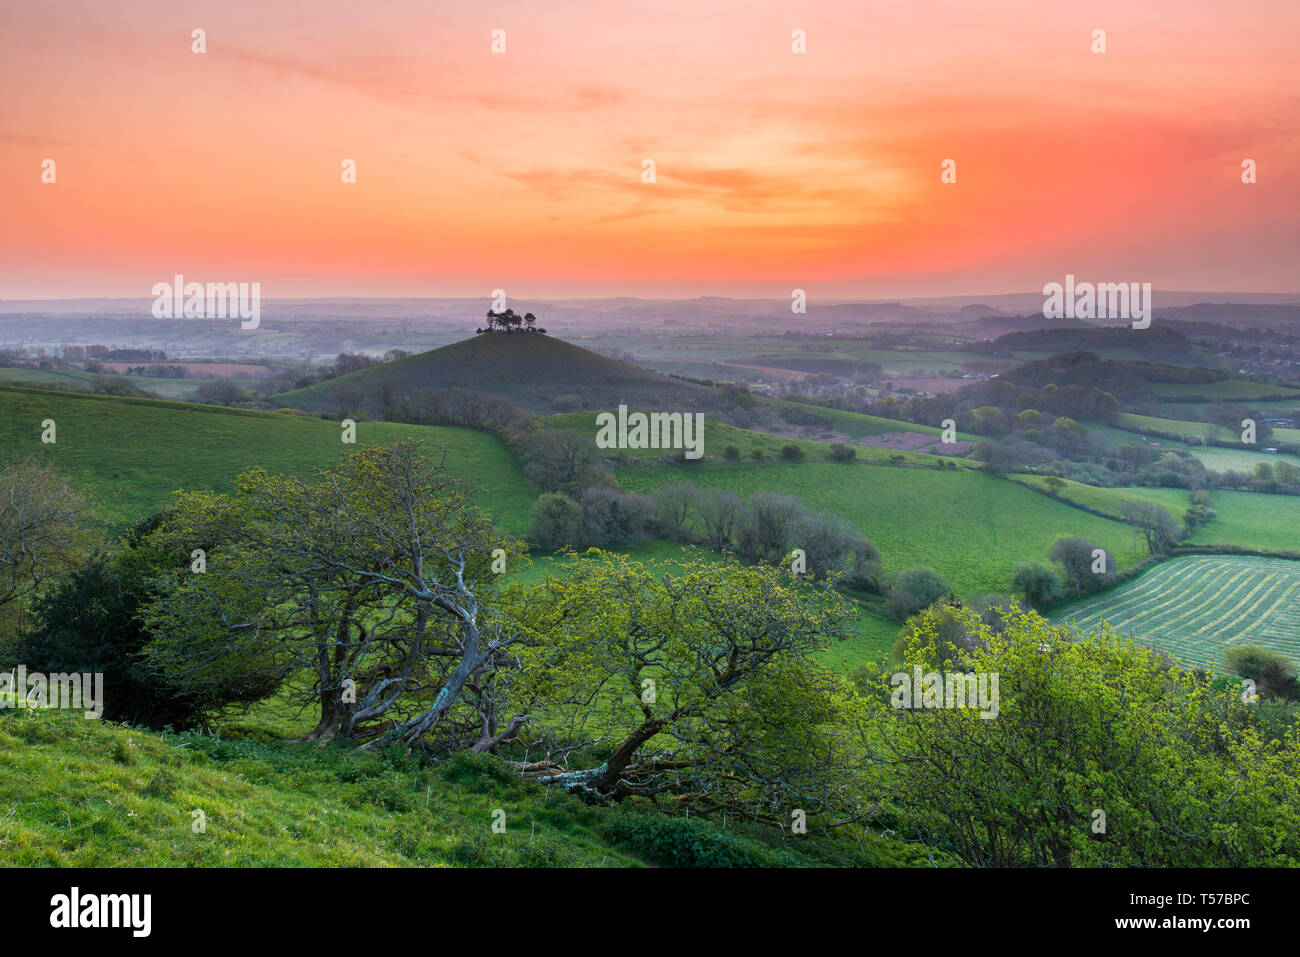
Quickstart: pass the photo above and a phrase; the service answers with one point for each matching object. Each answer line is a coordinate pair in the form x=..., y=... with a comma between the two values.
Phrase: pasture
x=969, y=526
x=1195, y=606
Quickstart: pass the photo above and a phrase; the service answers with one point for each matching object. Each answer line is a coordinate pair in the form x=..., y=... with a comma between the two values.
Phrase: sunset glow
x=774, y=170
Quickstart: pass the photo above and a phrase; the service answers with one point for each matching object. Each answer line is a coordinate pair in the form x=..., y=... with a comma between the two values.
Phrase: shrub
x=792, y=453
x=687, y=842
x=556, y=521
x=1038, y=583
x=843, y=453
x=914, y=589
x=1273, y=673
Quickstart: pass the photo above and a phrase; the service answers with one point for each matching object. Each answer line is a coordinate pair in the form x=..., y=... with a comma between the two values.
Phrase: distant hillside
x=988, y=325
x=1160, y=343
x=541, y=373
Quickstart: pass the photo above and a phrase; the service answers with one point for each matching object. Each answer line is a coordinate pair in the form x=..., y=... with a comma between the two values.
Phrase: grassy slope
x=970, y=526
x=1111, y=500
x=1200, y=430
x=132, y=453
x=93, y=794
x=1215, y=457
x=856, y=425
x=1248, y=519
x=168, y=388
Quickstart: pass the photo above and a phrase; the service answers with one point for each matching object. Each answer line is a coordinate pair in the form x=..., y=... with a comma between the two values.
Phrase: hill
x=132, y=453
x=1160, y=343
x=541, y=373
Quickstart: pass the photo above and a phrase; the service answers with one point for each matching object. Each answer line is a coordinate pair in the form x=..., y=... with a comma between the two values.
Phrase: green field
x=1254, y=520
x=1228, y=390
x=132, y=453
x=718, y=436
x=970, y=526
x=1247, y=519
x=1239, y=458
x=168, y=388
x=1193, y=607
x=1111, y=500
x=1150, y=425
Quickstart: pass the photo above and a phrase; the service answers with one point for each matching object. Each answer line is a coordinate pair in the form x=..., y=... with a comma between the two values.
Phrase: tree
x=563, y=460
x=556, y=521
x=718, y=511
x=375, y=578
x=90, y=622
x=765, y=530
x=1054, y=485
x=792, y=453
x=833, y=547
x=914, y=589
x=672, y=510
x=1085, y=571
x=843, y=453
x=1157, y=525
x=1286, y=473
x=613, y=517
x=684, y=661
x=1038, y=583
x=1084, y=724
x=221, y=392
x=1273, y=673
x=44, y=530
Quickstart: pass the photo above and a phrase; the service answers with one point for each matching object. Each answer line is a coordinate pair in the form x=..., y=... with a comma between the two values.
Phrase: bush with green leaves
x=556, y=521
x=1273, y=672
x=913, y=589
x=1099, y=754
x=1039, y=583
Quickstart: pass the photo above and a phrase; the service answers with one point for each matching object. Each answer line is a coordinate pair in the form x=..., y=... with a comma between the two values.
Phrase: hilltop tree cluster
x=511, y=322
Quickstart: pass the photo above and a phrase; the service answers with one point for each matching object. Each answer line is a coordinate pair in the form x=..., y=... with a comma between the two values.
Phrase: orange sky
x=523, y=170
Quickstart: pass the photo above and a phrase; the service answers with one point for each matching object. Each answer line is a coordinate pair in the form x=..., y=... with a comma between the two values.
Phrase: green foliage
x=1087, y=724
x=355, y=577
x=1038, y=583
x=690, y=842
x=556, y=521
x=90, y=622
x=1274, y=673
x=677, y=658
x=913, y=589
